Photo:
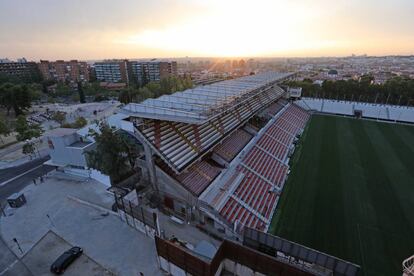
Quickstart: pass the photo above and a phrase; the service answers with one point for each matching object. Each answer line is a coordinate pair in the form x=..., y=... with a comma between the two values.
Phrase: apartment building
x=21, y=69
x=64, y=71
x=141, y=72
x=147, y=71
x=112, y=71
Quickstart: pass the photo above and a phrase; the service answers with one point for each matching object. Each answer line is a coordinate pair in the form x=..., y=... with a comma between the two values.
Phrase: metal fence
x=138, y=217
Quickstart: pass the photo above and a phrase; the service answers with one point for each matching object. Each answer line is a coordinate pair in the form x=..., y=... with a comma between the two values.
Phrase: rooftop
x=80, y=144
x=202, y=103
x=59, y=132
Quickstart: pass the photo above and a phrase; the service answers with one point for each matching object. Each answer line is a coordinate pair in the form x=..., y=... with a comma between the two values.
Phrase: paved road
x=21, y=182
x=8, y=173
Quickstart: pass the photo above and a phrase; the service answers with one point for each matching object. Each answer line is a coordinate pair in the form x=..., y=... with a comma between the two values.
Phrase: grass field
x=351, y=193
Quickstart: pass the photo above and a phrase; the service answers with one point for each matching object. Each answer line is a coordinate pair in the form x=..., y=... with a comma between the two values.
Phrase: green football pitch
x=351, y=193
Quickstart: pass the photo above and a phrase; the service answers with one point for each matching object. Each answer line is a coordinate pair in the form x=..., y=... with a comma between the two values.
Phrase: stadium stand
x=274, y=108
x=233, y=144
x=198, y=176
x=369, y=110
x=264, y=167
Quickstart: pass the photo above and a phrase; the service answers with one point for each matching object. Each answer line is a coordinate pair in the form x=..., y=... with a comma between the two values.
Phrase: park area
x=351, y=193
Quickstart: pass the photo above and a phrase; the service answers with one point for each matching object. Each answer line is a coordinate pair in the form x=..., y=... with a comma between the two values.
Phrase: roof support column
x=157, y=129
x=151, y=167
x=197, y=136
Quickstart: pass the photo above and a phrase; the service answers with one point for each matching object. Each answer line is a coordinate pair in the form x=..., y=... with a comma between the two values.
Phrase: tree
x=80, y=122
x=4, y=78
x=114, y=155
x=17, y=97
x=26, y=131
x=155, y=88
x=100, y=98
x=144, y=80
x=397, y=90
x=93, y=88
x=63, y=90
x=4, y=128
x=81, y=93
x=6, y=96
x=59, y=117
x=29, y=149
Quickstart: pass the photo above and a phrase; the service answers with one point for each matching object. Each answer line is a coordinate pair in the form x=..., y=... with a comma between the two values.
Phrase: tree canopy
x=80, y=122
x=16, y=96
x=155, y=89
x=81, y=93
x=4, y=128
x=59, y=117
x=26, y=131
x=28, y=148
x=397, y=90
x=115, y=153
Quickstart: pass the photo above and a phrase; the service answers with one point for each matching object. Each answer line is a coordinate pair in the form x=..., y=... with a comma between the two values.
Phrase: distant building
x=64, y=71
x=143, y=72
x=112, y=71
x=332, y=74
x=21, y=69
x=295, y=92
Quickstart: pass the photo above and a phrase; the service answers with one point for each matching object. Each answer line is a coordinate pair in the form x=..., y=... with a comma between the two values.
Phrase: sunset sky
x=97, y=29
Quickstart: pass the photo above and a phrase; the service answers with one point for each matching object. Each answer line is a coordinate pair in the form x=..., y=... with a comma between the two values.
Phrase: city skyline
x=137, y=29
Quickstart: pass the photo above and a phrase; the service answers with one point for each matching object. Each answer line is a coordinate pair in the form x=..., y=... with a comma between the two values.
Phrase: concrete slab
x=49, y=248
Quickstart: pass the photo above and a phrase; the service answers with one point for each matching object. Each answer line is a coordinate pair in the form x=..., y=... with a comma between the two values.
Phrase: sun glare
x=226, y=31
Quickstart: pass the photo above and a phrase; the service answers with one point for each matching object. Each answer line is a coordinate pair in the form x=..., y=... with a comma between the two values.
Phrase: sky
x=99, y=29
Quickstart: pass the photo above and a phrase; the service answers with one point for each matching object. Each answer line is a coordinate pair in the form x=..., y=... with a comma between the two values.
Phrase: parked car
x=62, y=263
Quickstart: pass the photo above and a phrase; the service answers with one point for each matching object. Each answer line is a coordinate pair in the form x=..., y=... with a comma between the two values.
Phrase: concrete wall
x=103, y=178
x=63, y=154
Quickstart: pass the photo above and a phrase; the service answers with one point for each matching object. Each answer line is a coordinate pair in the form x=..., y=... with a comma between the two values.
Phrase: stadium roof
x=203, y=103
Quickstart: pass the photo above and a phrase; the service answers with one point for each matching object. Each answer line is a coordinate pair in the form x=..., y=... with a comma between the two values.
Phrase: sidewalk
x=6, y=164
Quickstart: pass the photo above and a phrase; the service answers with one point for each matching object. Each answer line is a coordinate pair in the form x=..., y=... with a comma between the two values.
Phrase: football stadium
x=328, y=183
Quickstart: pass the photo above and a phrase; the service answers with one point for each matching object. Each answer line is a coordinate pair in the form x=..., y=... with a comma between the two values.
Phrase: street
x=35, y=168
